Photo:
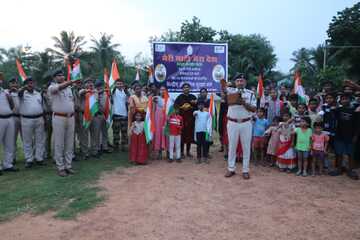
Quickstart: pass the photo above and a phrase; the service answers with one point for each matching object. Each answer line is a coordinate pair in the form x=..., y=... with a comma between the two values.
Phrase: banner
x=202, y=65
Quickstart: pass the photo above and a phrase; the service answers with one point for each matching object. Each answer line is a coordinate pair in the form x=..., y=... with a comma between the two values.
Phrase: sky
x=287, y=24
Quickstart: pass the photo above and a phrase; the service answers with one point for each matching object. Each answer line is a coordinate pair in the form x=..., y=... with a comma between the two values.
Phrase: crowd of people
x=281, y=129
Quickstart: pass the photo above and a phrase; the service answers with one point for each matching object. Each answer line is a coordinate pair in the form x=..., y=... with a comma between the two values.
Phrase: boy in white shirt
x=201, y=119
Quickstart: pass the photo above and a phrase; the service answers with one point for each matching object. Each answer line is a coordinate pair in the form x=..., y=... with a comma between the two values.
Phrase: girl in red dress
x=138, y=146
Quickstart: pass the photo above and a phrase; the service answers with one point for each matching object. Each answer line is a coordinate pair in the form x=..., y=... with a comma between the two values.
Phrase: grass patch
x=39, y=189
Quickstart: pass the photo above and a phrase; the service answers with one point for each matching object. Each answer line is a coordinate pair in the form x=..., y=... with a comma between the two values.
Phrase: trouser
x=48, y=134
x=63, y=128
x=188, y=148
x=17, y=131
x=7, y=141
x=33, y=137
x=104, y=135
x=202, y=145
x=95, y=130
x=244, y=131
x=120, y=125
x=82, y=134
x=174, y=141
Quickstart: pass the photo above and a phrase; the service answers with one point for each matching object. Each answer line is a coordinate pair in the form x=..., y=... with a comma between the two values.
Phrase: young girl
x=285, y=152
x=303, y=143
x=319, y=145
x=274, y=133
x=258, y=142
x=301, y=113
x=138, y=146
x=201, y=119
x=175, y=123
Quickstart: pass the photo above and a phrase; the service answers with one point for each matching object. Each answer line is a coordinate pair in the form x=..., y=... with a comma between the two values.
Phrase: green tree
x=344, y=30
x=67, y=47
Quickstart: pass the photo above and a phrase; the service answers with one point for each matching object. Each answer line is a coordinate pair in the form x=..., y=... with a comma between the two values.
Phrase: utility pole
x=326, y=46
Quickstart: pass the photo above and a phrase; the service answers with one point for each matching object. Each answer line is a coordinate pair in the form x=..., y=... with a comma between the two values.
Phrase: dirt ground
x=189, y=201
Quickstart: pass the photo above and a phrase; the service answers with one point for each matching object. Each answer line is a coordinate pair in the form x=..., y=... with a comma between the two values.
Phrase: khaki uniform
x=239, y=126
x=6, y=131
x=80, y=131
x=102, y=123
x=16, y=118
x=47, y=125
x=32, y=122
x=63, y=124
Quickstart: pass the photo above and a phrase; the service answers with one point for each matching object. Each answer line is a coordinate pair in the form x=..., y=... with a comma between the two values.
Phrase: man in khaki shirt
x=63, y=122
x=6, y=129
x=32, y=122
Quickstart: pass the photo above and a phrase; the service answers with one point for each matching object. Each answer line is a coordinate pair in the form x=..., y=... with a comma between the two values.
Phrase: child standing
x=138, y=146
x=274, y=133
x=319, y=145
x=285, y=152
x=201, y=119
x=175, y=123
x=300, y=113
x=303, y=143
x=258, y=141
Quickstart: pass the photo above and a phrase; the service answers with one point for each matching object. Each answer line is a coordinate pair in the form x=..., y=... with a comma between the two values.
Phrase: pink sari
x=160, y=141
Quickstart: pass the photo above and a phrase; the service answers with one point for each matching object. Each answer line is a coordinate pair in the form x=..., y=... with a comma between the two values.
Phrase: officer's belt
x=32, y=116
x=16, y=115
x=68, y=115
x=119, y=116
x=239, y=120
x=6, y=116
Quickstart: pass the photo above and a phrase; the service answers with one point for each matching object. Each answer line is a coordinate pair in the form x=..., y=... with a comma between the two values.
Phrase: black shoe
x=70, y=171
x=40, y=163
x=170, y=160
x=353, y=175
x=28, y=165
x=335, y=173
x=12, y=169
x=106, y=151
x=178, y=160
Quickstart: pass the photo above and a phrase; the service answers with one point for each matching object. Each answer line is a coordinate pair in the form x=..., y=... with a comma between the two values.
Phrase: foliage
x=344, y=30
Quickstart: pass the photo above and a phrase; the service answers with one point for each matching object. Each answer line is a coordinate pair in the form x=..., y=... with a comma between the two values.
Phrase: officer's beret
x=13, y=80
x=185, y=85
x=239, y=76
x=88, y=80
x=99, y=83
x=58, y=72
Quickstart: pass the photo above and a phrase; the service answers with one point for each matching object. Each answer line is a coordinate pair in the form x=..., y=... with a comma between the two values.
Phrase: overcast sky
x=288, y=24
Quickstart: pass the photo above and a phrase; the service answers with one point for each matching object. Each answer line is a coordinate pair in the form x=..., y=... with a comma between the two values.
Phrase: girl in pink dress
x=274, y=133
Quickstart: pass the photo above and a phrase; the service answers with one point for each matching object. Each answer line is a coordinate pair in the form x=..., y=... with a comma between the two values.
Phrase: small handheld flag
x=20, y=70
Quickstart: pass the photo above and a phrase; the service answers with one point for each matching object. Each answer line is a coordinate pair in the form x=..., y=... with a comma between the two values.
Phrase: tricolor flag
x=150, y=74
x=168, y=110
x=76, y=71
x=149, y=127
x=298, y=88
x=260, y=90
x=91, y=108
x=114, y=75
x=68, y=72
x=211, y=124
x=107, y=108
x=137, y=77
x=20, y=70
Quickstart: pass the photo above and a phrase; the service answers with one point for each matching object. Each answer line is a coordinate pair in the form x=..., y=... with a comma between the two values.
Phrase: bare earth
x=189, y=201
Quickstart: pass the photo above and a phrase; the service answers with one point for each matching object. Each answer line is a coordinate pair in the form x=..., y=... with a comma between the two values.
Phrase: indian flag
x=260, y=90
x=91, y=108
x=211, y=124
x=150, y=74
x=114, y=75
x=168, y=110
x=298, y=88
x=149, y=127
x=20, y=70
x=76, y=71
x=107, y=110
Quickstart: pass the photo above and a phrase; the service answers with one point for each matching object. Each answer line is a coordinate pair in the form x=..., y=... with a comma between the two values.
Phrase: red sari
x=138, y=147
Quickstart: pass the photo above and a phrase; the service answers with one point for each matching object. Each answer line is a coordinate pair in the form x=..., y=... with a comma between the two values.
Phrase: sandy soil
x=189, y=201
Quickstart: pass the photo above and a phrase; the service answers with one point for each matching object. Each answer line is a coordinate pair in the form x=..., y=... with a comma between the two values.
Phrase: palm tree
x=104, y=50
x=67, y=46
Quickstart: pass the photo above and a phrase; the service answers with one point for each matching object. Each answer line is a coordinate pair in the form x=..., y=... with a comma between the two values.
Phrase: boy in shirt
x=258, y=141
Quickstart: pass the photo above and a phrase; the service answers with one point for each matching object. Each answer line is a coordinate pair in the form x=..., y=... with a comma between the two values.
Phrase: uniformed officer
x=100, y=118
x=6, y=129
x=13, y=92
x=63, y=122
x=32, y=123
x=239, y=124
x=47, y=122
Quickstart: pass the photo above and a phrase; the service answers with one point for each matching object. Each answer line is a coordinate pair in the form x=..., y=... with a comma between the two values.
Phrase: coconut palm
x=67, y=46
x=104, y=50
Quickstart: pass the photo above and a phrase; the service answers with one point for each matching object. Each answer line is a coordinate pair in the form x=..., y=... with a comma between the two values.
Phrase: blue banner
x=202, y=65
